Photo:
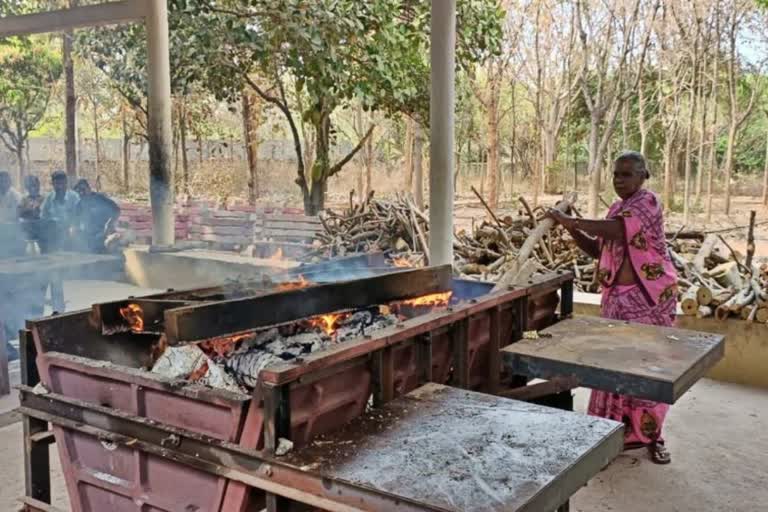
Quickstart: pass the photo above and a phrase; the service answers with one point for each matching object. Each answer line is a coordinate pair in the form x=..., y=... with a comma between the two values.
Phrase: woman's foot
x=659, y=454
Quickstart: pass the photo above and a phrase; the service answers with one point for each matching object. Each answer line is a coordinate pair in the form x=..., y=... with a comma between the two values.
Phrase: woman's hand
x=559, y=217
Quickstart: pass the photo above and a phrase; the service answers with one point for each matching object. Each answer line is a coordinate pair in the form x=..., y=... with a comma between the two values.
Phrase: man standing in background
x=60, y=208
x=96, y=216
x=9, y=199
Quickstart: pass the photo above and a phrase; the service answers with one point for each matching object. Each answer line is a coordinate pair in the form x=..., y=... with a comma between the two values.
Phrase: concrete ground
x=717, y=435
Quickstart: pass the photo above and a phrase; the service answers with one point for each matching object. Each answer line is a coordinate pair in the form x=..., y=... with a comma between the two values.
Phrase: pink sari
x=652, y=300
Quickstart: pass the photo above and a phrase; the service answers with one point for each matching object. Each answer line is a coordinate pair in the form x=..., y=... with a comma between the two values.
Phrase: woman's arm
x=583, y=231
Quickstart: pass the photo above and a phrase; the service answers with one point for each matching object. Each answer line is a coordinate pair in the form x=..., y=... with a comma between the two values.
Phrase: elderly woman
x=639, y=285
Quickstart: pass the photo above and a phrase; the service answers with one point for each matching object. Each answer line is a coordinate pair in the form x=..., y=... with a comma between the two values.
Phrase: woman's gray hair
x=636, y=158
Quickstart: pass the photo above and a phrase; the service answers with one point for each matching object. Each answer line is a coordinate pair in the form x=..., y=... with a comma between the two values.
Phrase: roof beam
x=74, y=17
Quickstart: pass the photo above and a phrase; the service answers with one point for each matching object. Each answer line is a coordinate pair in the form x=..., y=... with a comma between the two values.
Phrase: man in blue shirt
x=59, y=210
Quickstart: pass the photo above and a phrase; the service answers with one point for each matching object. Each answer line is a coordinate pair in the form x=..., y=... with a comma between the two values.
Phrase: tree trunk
x=668, y=171
x=712, y=159
x=732, y=128
x=418, y=167
x=641, y=120
x=369, y=158
x=492, y=169
x=97, y=143
x=688, y=149
x=183, y=144
x=700, y=152
x=200, y=150
x=314, y=198
x=126, y=153
x=251, y=150
x=409, y=124
x=70, y=107
x=765, y=173
x=21, y=160
x=594, y=169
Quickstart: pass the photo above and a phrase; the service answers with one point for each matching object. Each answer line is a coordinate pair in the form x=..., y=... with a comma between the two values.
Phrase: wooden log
x=689, y=302
x=750, y=240
x=703, y=295
x=706, y=248
x=727, y=274
x=721, y=297
x=704, y=312
x=200, y=322
x=510, y=277
x=761, y=315
x=747, y=312
x=734, y=304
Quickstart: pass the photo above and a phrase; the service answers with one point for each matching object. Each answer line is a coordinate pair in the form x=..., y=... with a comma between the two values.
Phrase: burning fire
x=433, y=299
x=278, y=255
x=222, y=347
x=294, y=285
x=328, y=323
x=134, y=315
x=402, y=262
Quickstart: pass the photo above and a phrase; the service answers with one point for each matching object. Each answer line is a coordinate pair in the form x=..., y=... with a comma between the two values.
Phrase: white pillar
x=441, y=110
x=159, y=124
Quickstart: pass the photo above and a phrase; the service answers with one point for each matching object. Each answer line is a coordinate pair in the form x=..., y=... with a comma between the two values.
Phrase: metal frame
x=37, y=410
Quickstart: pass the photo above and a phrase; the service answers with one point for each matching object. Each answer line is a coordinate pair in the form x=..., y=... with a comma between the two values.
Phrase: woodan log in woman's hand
x=560, y=218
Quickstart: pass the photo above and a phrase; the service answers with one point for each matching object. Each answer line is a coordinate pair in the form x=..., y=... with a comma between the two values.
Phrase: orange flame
x=278, y=255
x=294, y=285
x=433, y=299
x=134, y=315
x=401, y=263
x=328, y=323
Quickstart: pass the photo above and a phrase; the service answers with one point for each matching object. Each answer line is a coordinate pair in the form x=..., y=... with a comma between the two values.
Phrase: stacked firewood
x=715, y=280
x=395, y=225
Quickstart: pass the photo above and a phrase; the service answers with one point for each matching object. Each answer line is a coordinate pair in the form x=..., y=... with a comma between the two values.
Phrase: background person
x=60, y=210
x=97, y=215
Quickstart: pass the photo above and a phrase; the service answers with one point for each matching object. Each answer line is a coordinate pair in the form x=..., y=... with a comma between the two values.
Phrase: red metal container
x=458, y=346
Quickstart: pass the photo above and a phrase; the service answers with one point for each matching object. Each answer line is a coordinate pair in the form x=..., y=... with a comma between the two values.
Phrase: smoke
x=20, y=297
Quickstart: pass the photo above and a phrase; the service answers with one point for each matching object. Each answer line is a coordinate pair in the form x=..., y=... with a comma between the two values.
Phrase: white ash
x=247, y=363
x=362, y=323
x=179, y=362
x=217, y=377
x=269, y=347
x=284, y=446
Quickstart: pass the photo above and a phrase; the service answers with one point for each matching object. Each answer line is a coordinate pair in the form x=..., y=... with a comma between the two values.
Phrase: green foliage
x=30, y=69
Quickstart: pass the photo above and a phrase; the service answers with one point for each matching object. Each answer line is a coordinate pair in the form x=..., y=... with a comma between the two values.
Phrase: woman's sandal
x=659, y=454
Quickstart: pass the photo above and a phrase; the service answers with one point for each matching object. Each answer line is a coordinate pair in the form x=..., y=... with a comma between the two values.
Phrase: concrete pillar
x=441, y=114
x=159, y=124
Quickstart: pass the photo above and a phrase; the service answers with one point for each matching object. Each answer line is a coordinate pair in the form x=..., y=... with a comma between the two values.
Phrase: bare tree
x=614, y=43
x=712, y=158
x=737, y=112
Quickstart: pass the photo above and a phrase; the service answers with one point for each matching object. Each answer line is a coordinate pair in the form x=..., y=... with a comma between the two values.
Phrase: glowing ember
x=294, y=285
x=328, y=323
x=401, y=262
x=134, y=315
x=199, y=373
x=222, y=347
x=433, y=299
x=278, y=255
